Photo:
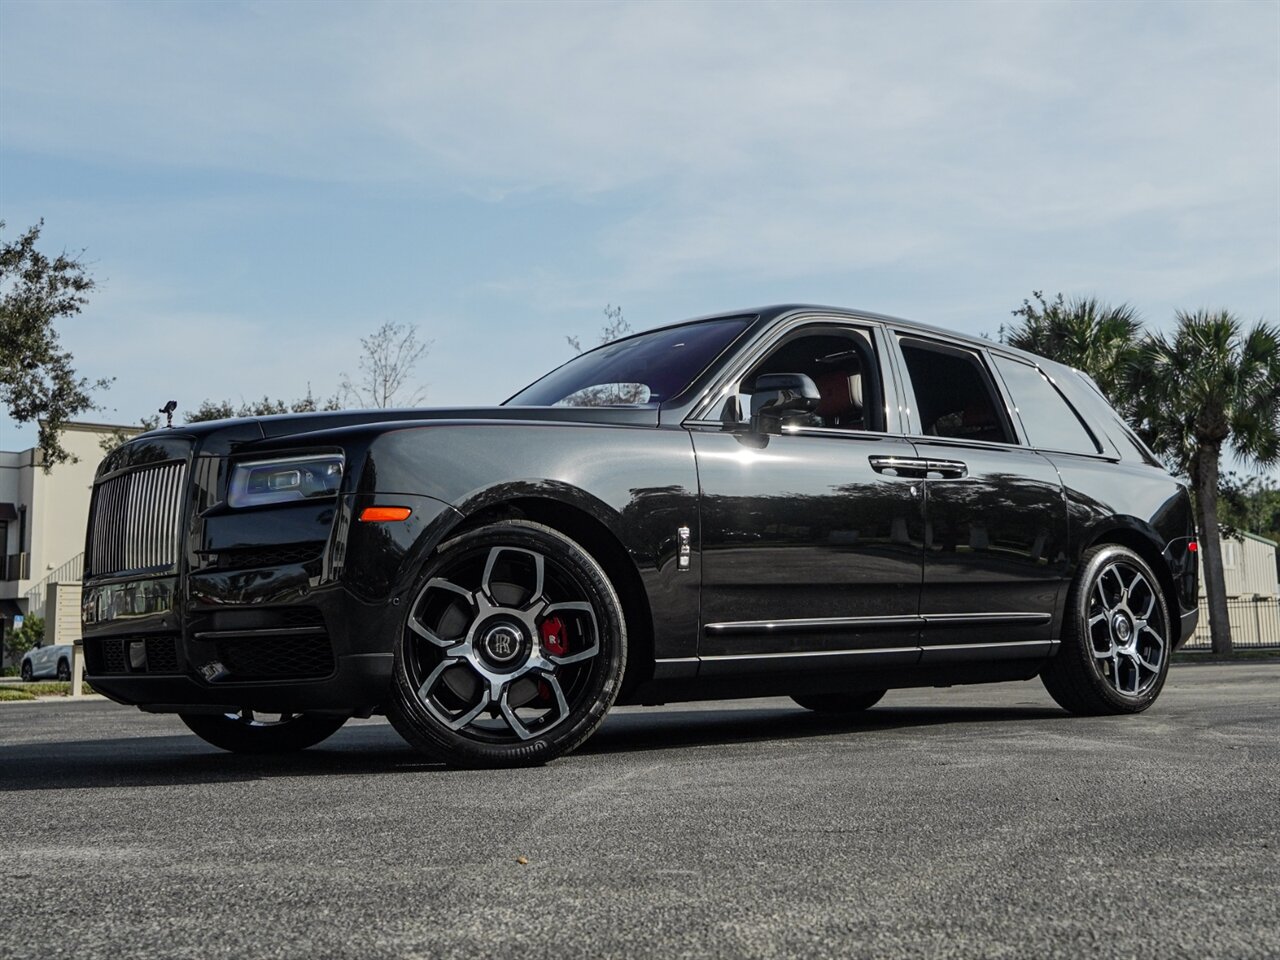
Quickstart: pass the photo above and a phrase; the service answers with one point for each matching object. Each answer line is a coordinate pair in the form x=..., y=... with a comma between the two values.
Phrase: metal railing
x=70, y=572
x=1255, y=624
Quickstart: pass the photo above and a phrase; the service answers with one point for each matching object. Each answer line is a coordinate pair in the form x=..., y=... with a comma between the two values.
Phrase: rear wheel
x=839, y=704
x=512, y=650
x=1115, y=641
x=250, y=732
x=64, y=670
x=27, y=674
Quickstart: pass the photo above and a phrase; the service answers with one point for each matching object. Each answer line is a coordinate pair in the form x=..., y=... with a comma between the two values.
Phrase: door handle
x=909, y=468
x=946, y=470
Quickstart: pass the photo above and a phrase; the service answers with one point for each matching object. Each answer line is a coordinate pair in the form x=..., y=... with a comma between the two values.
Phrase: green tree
x=1210, y=386
x=265, y=407
x=37, y=380
x=1249, y=505
x=1083, y=333
x=17, y=642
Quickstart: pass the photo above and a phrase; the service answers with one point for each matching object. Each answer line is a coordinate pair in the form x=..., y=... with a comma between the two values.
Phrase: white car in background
x=53, y=661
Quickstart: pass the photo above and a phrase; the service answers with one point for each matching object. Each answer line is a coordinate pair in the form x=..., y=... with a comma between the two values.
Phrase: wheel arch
x=584, y=520
x=1141, y=539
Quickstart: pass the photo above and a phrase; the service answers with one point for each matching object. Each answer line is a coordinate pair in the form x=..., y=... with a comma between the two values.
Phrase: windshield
x=641, y=371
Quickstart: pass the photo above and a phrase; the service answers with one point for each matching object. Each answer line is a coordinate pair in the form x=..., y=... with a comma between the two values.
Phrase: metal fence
x=1254, y=624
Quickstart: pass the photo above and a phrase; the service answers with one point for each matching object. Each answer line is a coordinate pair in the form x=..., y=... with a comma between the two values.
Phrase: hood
x=219, y=436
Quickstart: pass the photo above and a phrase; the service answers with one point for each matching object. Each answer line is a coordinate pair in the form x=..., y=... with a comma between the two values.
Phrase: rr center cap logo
x=501, y=644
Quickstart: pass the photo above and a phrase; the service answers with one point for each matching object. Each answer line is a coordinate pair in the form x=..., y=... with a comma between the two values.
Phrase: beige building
x=43, y=517
x=1248, y=567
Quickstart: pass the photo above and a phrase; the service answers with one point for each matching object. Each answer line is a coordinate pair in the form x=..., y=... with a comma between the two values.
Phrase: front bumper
x=357, y=686
x=286, y=632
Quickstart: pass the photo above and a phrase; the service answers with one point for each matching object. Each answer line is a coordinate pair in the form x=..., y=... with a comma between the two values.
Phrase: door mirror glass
x=776, y=397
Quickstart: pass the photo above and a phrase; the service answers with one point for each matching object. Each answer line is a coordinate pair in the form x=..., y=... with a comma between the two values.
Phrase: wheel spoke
x=539, y=568
x=513, y=721
x=447, y=586
x=1137, y=674
x=517, y=725
x=453, y=722
x=1100, y=589
x=589, y=612
x=424, y=691
x=459, y=722
x=1147, y=664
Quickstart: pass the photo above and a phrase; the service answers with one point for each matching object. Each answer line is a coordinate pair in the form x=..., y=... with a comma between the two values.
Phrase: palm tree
x=1209, y=386
x=1083, y=333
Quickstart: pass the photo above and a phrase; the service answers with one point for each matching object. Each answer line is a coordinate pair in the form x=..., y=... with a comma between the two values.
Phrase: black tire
x=242, y=733
x=839, y=704
x=1091, y=674
x=446, y=707
x=64, y=670
x=27, y=675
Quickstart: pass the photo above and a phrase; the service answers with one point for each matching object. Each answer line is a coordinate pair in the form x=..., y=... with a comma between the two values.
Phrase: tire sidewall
x=412, y=719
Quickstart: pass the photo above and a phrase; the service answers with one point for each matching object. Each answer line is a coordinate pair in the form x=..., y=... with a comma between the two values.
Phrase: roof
x=1254, y=536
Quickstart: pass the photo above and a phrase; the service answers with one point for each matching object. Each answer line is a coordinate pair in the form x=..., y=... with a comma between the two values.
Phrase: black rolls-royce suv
x=795, y=500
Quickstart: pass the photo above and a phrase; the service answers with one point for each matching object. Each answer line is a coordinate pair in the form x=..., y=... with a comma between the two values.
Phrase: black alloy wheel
x=250, y=732
x=839, y=704
x=1116, y=641
x=64, y=670
x=27, y=675
x=512, y=650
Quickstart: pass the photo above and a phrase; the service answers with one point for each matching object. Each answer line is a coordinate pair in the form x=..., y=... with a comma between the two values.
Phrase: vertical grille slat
x=135, y=519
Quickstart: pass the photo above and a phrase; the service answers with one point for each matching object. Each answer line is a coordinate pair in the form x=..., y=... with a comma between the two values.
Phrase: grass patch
x=48, y=688
x=39, y=688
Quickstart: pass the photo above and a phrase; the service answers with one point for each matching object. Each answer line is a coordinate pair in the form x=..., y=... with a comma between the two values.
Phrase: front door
x=811, y=550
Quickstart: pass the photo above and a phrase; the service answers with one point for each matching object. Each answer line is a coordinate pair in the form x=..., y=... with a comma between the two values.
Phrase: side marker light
x=384, y=514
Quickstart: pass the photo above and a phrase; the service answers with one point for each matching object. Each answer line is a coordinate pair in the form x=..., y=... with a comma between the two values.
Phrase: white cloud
x=784, y=141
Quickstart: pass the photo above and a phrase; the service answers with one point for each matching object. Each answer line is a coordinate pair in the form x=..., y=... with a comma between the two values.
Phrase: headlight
x=284, y=481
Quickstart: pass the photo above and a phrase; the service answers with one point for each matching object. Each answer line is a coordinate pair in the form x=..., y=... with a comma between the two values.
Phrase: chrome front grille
x=134, y=520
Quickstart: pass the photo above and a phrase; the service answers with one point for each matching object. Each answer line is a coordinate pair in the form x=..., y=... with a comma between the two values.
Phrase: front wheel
x=64, y=670
x=27, y=674
x=247, y=732
x=511, y=651
x=1115, y=641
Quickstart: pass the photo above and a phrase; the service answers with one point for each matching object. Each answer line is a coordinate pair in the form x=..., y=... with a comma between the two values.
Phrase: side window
x=1049, y=420
x=954, y=393
x=842, y=365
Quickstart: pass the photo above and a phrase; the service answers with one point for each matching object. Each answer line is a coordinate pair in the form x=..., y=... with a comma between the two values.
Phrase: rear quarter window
x=1050, y=422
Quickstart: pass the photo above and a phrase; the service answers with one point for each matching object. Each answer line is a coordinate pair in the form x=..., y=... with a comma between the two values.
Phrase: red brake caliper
x=554, y=640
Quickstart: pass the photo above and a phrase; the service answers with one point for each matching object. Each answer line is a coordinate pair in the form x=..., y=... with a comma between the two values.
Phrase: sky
x=256, y=186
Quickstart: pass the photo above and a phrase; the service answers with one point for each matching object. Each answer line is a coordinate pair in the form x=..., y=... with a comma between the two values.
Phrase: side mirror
x=776, y=397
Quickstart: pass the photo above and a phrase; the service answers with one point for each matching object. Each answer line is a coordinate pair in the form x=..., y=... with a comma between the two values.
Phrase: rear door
x=995, y=532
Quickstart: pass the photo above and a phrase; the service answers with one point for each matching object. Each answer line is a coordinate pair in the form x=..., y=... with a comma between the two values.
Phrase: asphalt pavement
x=967, y=822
